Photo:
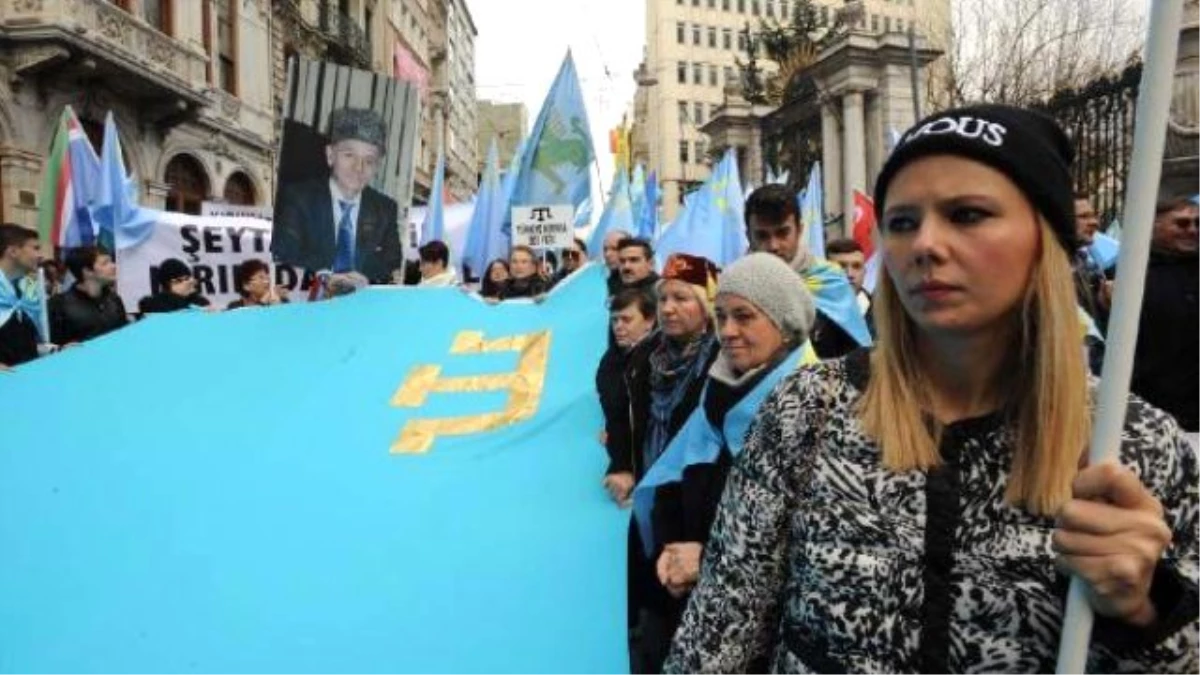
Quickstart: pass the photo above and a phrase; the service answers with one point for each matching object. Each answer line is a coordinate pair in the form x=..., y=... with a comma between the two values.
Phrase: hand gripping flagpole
x=1145, y=169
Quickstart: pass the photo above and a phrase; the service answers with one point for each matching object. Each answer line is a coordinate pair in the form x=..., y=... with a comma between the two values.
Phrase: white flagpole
x=1145, y=169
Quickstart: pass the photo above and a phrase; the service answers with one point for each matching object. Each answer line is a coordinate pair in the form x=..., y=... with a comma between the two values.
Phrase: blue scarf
x=29, y=303
x=673, y=369
x=698, y=442
x=836, y=299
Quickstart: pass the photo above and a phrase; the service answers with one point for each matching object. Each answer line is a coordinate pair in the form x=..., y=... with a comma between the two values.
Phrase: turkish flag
x=864, y=223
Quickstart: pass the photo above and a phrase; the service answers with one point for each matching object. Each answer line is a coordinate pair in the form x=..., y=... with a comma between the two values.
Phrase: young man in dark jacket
x=1166, y=369
x=19, y=257
x=91, y=307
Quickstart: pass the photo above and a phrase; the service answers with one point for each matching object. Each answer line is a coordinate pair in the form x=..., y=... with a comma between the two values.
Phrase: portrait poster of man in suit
x=340, y=224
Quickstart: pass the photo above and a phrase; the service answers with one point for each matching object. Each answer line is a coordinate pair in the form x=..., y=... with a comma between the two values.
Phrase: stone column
x=831, y=160
x=854, y=155
x=156, y=194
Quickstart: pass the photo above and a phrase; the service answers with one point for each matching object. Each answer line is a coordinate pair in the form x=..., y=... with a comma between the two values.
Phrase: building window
x=727, y=38
x=696, y=34
x=712, y=110
x=824, y=15
x=681, y=32
x=700, y=148
x=899, y=25
x=874, y=23
x=783, y=10
x=222, y=53
x=712, y=37
x=728, y=75
x=725, y=5
x=712, y=4
x=157, y=13
x=683, y=112
x=683, y=152
x=741, y=6
x=755, y=7
x=698, y=113
x=741, y=42
x=239, y=189
x=697, y=73
x=695, y=3
x=188, y=185
x=712, y=76
x=887, y=24
x=771, y=8
x=681, y=72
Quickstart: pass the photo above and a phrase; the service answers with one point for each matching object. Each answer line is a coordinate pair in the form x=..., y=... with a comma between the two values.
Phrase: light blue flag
x=508, y=185
x=554, y=168
x=294, y=525
x=836, y=298
x=699, y=442
x=1105, y=250
x=647, y=223
x=583, y=214
x=812, y=212
x=86, y=188
x=484, y=231
x=120, y=222
x=618, y=214
x=711, y=222
x=434, y=226
x=637, y=193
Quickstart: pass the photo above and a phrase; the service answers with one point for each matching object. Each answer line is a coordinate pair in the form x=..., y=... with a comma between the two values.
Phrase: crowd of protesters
x=803, y=501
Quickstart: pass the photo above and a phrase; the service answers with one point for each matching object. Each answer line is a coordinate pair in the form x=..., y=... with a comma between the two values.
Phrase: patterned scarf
x=673, y=368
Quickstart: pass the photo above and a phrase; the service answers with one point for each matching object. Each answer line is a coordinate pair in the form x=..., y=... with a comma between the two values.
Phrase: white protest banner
x=212, y=247
x=234, y=210
x=543, y=226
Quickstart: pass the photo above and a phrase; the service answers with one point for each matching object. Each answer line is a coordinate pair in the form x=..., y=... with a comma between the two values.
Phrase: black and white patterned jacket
x=824, y=561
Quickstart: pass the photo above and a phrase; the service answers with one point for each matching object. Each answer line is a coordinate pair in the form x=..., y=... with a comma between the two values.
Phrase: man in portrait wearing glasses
x=1166, y=369
x=340, y=225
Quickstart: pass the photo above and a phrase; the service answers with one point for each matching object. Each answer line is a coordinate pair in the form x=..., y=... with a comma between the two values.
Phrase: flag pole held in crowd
x=1154, y=98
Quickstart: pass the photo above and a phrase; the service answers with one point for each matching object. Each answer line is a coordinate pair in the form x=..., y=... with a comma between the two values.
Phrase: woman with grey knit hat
x=763, y=314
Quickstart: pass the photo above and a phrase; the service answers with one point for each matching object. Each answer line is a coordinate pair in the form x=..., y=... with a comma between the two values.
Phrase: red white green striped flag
x=57, y=199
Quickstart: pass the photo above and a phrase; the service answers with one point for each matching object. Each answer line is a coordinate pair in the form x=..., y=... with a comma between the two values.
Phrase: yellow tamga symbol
x=524, y=386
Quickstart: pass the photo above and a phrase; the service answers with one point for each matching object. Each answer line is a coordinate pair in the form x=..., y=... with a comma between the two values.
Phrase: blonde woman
x=918, y=507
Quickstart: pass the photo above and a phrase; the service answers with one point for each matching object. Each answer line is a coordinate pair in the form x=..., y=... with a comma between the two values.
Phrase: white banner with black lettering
x=212, y=246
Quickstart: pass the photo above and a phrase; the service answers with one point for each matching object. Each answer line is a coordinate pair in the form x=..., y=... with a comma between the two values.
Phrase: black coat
x=305, y=234
x=528, y=287
x=76, y=316
x=1166, y=368
x=644, y=589
x=614, y=401
x=18, y=340
x=162, y=303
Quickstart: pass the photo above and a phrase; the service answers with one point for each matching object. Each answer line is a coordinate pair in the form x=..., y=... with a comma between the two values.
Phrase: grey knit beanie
x=774, y=287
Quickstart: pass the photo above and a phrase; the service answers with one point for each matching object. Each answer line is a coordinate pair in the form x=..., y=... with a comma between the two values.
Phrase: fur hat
x=357, y=124
x=775, y=288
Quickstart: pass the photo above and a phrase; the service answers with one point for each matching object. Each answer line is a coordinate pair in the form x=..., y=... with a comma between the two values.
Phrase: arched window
x=239, y=189
x=188, y=182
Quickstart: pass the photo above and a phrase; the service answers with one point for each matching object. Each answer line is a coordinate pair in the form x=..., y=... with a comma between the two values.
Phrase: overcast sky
x=521, y=44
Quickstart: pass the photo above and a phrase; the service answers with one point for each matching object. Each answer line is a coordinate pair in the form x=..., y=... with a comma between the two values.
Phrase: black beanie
x=170, y=270
x=1028, y=147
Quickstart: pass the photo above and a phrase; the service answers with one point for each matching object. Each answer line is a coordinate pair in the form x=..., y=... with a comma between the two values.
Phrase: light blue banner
x=246, y=492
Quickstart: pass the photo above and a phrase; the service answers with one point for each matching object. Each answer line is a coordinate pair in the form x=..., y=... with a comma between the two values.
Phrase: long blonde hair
x=1045, y=390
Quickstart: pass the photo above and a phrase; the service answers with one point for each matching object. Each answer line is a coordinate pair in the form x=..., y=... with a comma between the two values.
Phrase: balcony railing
x=346, y=37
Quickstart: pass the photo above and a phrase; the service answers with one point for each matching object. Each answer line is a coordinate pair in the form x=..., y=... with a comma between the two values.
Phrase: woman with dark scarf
x=764, y=315
x=664, y=389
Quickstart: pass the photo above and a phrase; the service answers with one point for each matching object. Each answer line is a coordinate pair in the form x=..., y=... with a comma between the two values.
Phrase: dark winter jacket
x=18, y=340
x=76, y=316
x=1166, y=368
x=614, y=401
x=160, y=303
x=528, y=287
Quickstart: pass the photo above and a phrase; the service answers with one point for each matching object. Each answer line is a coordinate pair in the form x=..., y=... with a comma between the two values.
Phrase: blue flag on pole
x=618, y=214
x=484, y=239
x=637, y=192
x=120, y=222
x=391, y=494
x=711, y=222
x=647, y=217
x=86, y=188
x=555, y=166
x=812, y=212
x=434, y=226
